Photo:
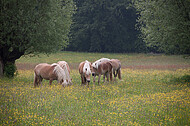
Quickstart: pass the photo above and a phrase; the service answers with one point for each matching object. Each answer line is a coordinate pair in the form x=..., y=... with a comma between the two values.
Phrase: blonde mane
x=60, y=72
x=66, y=72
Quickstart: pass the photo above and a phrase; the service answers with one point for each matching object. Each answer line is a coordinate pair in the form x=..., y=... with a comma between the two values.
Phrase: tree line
x=119, y=26
x=131, y=26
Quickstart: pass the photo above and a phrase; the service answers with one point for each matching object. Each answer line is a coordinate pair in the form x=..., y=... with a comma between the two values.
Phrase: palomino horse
x=96, y=63
x=64, y=65
x=116, y=65
x=85, y=71
x=104, y=68
x=49, y=72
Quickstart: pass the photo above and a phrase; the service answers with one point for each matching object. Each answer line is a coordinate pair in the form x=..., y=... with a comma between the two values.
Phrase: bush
x=9, y=70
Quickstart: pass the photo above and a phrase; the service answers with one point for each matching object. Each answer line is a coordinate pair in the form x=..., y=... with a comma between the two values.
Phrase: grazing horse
x=85, y=71
x=116, y=65
x=49, y=72
x=96, y=63
x=104, y=68
x=64, y=65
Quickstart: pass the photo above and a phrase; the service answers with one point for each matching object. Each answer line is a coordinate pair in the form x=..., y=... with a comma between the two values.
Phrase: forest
x=125, y=26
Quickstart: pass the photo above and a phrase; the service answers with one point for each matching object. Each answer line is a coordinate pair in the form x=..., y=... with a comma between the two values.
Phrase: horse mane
x=59, y=71
x=66, y=71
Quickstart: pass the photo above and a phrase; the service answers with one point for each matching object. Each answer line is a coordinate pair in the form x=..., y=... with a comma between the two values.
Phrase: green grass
x=143, y=97
x=74, y=58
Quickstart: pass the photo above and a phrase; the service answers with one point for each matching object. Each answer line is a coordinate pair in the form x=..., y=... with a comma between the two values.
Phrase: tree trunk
x=1, y=67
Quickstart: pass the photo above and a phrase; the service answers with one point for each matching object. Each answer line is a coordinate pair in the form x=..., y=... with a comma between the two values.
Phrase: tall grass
x=143, y=97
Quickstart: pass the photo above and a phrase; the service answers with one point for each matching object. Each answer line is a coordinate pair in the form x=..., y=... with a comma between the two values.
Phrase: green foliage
x=185, y=79
x=104, y=26
x=165, y=24
x=33, y=26
x=9, y=70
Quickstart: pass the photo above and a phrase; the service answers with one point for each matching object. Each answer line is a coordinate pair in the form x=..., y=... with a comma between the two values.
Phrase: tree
x=165, y=24
x=32, y=26
x=104, y=26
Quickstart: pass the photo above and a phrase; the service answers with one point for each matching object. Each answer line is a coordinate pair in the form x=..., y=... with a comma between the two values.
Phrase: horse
x=64, y=65
x=104, y=68
x=116, y=68
x=96, y=63
x=49, y=72
x=85, y=71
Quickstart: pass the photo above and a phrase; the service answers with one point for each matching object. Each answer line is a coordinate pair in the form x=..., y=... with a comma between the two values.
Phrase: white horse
x=85, y=71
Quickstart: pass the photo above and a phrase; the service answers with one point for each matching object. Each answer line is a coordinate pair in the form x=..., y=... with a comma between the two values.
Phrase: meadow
x=155, y=90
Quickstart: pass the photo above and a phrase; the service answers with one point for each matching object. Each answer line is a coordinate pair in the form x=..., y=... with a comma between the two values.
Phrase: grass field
x=155, y=90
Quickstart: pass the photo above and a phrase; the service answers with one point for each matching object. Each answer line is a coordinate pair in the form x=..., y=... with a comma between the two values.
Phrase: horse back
x=105, y=67
x=116, y=64
x=45, y=70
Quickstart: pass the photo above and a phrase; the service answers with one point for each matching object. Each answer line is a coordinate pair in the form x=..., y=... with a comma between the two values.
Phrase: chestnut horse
x=85, y=71
x=96, y=63
x=64, y=65
x=49, y=72
x=116, y=67
x=105, y=69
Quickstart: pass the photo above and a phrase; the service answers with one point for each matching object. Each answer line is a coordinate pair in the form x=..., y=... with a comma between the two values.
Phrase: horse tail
x=35, y=80
x=59, y=72
x=119, y=71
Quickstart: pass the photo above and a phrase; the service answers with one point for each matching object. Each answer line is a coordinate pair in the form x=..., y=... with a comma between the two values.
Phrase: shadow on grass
x=181, y=80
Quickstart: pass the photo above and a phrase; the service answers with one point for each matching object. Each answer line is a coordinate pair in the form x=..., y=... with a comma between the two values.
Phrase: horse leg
x=115, y=74
x=40, y=81
x=99, y=76
x=104, y=77
x=94, y=79
x=119, y=74
x=82, y=79
x=107, y=76
x=50, y=81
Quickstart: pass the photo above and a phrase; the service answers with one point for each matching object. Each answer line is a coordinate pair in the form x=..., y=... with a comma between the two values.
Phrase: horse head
x=87, y=70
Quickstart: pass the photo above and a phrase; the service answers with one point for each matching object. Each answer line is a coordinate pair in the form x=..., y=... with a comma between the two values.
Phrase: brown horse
x=49, y=72
x=85, y=71
x=104, y=68
x=116, y=65
x=64, y=65
x=96, y=63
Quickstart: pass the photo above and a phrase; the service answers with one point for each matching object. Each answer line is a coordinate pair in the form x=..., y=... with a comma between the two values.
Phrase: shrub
x=9, y=70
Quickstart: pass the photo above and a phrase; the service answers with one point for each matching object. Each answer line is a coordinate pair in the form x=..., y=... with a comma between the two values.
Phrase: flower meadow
x=142, y=97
